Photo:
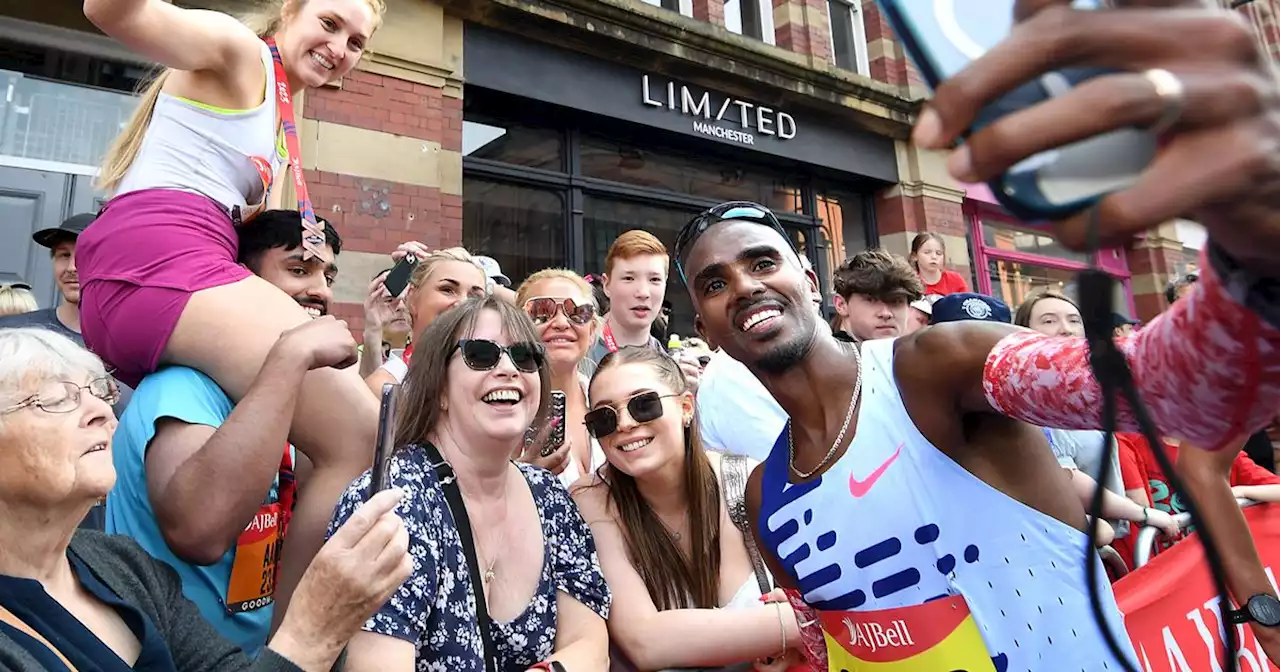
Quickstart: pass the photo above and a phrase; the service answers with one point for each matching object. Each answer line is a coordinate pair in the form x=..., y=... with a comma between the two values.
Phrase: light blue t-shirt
x=192, y=397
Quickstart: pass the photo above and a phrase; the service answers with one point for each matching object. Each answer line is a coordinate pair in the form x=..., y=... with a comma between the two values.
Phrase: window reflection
x=521, y=227
x=511, y=143
x=842, y=221
x=1012, y=281
x=705, y=178
x=1008, y=237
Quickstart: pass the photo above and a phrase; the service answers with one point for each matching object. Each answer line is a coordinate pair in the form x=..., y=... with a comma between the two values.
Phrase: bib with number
x=940, y=635
x=253, y=572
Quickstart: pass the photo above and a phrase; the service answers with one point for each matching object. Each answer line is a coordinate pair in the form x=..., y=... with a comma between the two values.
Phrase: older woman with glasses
x=505, y=568
x=84, y=601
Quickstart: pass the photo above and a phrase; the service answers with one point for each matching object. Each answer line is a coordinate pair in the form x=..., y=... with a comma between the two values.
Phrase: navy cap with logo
x=69, y=230
x=968, y=306
x=1118, y=320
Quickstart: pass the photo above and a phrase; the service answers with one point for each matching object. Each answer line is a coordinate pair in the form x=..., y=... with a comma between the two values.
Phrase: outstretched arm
x=182, y=39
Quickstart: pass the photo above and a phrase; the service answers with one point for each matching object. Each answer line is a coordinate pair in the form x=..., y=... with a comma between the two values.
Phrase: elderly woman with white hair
x=85, y=601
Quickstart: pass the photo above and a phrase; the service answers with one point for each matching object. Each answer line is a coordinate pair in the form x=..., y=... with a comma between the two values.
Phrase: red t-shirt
x=950, y=283
x=1140, y=470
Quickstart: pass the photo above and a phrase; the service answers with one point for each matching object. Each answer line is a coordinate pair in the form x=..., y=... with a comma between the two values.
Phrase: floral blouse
x=435, y=608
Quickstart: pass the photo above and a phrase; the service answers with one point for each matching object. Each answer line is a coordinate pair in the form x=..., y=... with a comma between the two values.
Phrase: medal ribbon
x=312, y=233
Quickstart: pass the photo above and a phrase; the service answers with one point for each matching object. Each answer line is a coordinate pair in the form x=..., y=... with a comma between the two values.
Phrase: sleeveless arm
x=178, y=38
x=1208, y=368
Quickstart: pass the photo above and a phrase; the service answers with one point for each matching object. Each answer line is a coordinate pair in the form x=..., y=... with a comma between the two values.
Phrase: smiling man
x=857, y=507
x=206, y=485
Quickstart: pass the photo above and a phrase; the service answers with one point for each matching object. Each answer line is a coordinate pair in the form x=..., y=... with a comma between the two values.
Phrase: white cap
x=923, y=305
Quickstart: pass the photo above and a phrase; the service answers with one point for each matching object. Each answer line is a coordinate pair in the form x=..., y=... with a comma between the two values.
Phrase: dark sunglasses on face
x=644, y=407
x=733, y=210
x=542, y=309
x=481, y=354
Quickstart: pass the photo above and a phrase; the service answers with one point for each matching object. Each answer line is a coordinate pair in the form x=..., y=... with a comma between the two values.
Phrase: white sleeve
x=396, y=367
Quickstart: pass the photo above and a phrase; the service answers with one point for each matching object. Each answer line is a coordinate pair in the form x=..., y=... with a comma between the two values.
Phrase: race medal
x=940, y=635
x=253, y=572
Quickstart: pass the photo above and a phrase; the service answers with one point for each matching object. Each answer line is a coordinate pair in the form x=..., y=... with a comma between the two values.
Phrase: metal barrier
x=1145, y=542
x=1113, y=562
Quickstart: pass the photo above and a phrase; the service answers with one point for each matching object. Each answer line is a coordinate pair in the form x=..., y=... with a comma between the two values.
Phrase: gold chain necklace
x=848, y=417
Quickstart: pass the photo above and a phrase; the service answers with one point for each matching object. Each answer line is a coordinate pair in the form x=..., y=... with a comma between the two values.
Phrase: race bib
x=938, y=636
x=253, y=573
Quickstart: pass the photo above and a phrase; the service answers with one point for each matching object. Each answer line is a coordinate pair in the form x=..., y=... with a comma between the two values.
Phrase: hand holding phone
x=398, y=279
x=378, y=480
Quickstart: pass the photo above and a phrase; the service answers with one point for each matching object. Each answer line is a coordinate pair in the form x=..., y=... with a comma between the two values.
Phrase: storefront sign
x=730, y=119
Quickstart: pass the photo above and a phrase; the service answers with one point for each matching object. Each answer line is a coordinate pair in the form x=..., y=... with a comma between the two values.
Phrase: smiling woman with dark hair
x=474, y=386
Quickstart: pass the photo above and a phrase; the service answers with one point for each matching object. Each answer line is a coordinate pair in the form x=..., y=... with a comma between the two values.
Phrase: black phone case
x=555, y=438
x=398, y=279
x=386, y=439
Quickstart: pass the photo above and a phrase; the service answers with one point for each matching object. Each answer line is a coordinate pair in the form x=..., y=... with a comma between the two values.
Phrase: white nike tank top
x=911, y=559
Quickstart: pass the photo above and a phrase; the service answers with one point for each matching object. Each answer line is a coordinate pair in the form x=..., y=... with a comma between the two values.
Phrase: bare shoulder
x=591, y=494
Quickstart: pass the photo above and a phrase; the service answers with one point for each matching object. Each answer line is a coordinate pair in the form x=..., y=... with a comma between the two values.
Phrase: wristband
x=1146, y=514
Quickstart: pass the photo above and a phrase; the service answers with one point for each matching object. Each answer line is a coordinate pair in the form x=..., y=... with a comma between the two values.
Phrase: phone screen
x=386, y=439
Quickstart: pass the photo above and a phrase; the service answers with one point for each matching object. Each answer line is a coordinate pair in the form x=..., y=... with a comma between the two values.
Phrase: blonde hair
x=428, y=264
x=526, y=288
x=16, y=300
x=266, y=20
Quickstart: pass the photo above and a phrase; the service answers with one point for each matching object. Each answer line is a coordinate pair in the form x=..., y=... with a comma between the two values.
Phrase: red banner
x=1171, y=609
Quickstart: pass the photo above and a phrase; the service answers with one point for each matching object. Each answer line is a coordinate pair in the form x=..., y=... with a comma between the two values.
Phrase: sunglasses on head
x=16, y=285
x=542, y=309
x=481, y=354
x=643, y=407
x=733, y=210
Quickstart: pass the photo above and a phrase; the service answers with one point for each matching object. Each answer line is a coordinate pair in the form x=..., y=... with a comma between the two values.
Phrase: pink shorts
x=139, y=263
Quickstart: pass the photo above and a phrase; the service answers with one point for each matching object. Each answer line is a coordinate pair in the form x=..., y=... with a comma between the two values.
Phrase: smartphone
x=398, y=279
x=943, y=36
x=555, y=415
x=386, y=438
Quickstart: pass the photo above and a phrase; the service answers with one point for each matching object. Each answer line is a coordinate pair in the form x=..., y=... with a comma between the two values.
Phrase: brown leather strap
x=12, y=619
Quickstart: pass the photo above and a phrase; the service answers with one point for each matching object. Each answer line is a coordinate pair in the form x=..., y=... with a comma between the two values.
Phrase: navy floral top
x=435, y=608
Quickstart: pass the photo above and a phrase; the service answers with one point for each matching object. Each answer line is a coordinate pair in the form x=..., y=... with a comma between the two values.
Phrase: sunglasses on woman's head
x=480, y=354
x=542, y=309
x=643, y=407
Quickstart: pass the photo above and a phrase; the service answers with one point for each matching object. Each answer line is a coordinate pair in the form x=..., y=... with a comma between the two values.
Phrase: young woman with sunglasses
x=475, y=386
x=681, y=569
x=560, y=303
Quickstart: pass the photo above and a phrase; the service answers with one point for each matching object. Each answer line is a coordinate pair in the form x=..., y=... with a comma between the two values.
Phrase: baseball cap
x=70, y=229
x=969, y=306
x=493, y=270
x=923, y=305
x=1118, y=320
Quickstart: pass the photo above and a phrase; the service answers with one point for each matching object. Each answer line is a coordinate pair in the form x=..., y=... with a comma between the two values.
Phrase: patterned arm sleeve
x=1208, y=369
x=575, y=564
x=404, y=616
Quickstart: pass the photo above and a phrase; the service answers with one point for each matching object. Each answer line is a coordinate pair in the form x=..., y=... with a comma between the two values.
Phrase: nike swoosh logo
x=859, y=489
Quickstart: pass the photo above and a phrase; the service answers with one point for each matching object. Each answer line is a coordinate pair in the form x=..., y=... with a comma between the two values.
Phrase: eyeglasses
x=481, y=354
x=643, y=407
x=733, y=210
x=68, y=397
x=542, y=309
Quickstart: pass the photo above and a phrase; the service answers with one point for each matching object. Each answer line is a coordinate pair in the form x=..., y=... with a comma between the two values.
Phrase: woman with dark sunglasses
x=475, y=385
x=663, y=515
x=560, y=304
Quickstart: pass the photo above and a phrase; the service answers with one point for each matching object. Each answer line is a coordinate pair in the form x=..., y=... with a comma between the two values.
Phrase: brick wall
x=711, y=11
x=802, y=27
x=375, y=216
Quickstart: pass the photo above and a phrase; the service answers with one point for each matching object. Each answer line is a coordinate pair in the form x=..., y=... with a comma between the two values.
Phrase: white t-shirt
x=736, y=414
x=396, y=366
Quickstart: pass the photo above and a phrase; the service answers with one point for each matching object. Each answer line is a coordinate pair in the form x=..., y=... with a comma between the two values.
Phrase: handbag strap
x=453, y=497
x=12, y=619
x=733, y=487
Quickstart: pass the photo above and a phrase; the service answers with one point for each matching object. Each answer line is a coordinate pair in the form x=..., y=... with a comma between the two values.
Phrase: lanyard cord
x=1109, y=366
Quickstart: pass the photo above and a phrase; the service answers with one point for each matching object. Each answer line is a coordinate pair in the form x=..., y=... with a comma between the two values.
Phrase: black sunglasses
x=733, y=210
x=481, y=354
x=644, y=407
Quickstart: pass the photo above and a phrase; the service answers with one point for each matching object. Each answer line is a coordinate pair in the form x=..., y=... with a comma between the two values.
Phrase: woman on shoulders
x=205, y=152
x=663, y=515
x=474, y=387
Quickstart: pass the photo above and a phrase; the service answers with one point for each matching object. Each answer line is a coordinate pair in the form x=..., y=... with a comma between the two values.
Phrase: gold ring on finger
x=1173, y=96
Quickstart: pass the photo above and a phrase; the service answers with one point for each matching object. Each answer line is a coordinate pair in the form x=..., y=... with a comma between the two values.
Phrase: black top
x=1258, y=448
x=148, y=596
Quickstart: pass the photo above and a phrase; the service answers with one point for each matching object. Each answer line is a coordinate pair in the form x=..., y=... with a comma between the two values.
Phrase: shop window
x=702, y=178
x=752, y=18
x=1002, y=236
x=604, y=219
x=513, y=143
x=843, y=223
x=683, y=6
x=848, y=36
x=521, y=227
